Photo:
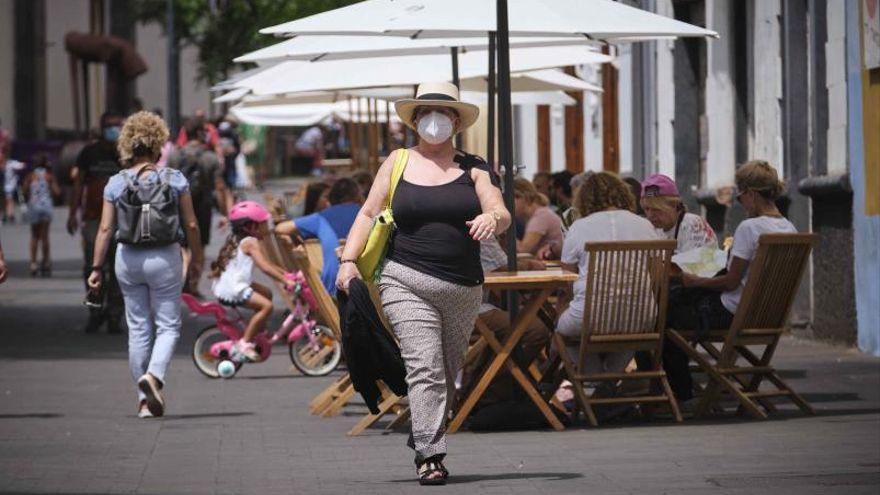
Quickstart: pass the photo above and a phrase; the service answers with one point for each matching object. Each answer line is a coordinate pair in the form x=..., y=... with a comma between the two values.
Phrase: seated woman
x=758, y=187
x=664, y=209
x=542, y=226
x=607, y=205
x=328, y=226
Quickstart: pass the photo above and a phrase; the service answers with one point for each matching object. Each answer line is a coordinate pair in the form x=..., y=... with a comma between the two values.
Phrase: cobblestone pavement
x=68, y=425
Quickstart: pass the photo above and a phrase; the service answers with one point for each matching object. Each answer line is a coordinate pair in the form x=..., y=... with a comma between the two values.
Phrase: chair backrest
x=626, y=289
x=315, y=254
x=773, y=279
x=292, y=259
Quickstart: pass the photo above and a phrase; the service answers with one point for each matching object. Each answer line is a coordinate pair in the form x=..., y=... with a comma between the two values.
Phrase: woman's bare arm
x=191, y=229
x=254, y=249
x=105, y=230
x=529, y=243
x=728, y=281
x=490, y=198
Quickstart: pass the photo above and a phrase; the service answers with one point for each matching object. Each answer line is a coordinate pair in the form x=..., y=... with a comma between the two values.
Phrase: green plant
x=225, y=29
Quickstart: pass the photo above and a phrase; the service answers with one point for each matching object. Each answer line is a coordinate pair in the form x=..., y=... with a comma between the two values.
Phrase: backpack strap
x=165, y=176
x=396, y=173
x=129, y=182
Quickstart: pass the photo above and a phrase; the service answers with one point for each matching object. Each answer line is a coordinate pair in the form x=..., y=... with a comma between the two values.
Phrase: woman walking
x=445, y=203
x=145, y=208
x=40, y=187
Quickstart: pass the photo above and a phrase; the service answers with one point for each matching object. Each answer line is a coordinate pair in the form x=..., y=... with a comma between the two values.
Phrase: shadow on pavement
x=207, y=415
x=474, y=478
x=31, y=415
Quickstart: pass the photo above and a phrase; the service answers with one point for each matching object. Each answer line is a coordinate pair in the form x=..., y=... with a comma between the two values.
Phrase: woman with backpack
x=146, y=208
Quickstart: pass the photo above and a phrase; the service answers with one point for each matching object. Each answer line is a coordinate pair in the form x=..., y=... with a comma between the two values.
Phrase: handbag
x=369, y=263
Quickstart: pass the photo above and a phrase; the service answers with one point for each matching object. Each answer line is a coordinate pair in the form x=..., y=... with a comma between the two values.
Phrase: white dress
x=234, y=284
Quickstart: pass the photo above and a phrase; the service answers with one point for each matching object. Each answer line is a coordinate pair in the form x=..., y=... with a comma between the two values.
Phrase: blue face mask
x=111, y=133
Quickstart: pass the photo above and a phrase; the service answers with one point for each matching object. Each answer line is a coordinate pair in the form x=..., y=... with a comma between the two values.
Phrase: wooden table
x=536, y=287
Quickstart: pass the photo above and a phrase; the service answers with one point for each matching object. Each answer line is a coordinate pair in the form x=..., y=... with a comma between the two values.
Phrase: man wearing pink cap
x=666, y=212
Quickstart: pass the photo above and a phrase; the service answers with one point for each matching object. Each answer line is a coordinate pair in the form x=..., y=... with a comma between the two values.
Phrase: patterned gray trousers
x=433, y=320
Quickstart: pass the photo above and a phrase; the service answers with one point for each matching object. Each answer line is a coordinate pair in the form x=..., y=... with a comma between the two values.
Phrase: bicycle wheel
x=316, y=362
x=205, y=362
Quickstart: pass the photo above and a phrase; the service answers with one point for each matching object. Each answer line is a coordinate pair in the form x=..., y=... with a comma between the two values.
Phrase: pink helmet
x=249, y=210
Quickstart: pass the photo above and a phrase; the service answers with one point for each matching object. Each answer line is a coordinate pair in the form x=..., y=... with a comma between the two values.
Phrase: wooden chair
x=331, y=400
x=634, y=322
x=760, y=320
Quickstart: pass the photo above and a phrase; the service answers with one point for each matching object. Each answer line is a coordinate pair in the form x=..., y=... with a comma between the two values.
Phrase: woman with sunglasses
x=759, y=187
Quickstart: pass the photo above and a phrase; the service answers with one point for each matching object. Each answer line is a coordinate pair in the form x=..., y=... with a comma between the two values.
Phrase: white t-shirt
x=693, y=233
x=745, y=244
x=614, y=225
x=234, y=282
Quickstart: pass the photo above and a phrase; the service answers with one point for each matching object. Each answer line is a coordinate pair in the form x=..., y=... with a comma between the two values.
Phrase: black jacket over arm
x=370, y=351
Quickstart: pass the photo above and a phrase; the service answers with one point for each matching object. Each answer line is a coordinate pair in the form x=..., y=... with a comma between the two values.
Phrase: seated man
x=328, y=226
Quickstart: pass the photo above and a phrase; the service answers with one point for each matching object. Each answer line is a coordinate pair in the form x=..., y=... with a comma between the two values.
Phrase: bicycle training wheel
x=205, y=362
x=318, y=361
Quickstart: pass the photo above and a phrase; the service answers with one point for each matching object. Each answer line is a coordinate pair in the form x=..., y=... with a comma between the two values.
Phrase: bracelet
x=344, y=261
x=97, y=268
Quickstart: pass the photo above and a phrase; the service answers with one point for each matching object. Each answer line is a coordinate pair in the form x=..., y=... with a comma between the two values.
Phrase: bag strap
x=396, y=173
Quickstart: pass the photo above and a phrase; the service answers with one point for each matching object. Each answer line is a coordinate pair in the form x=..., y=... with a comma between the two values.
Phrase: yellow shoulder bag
x=369, y=263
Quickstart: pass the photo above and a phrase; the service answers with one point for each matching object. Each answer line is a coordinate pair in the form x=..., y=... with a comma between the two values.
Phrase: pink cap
x=659, y=185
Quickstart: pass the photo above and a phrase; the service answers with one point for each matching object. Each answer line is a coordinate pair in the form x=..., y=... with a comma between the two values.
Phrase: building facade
x=787, y=81
x=37, y=92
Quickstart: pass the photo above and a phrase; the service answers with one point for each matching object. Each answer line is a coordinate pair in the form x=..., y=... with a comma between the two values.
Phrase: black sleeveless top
x=431, y=235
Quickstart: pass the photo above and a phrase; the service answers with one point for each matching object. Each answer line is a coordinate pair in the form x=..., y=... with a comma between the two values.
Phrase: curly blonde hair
x=601, y=191
x=760, y=176
x=143, y=134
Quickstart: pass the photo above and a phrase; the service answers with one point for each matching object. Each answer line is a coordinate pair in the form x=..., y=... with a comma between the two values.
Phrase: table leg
x=523, y=381
x=519, y=329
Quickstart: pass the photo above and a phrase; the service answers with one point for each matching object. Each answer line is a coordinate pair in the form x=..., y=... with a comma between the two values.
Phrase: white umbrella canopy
x=522, y=98
x=593, y=19
x=538, y=80
x=295, y=114
x=315, y=48
x=296, y=76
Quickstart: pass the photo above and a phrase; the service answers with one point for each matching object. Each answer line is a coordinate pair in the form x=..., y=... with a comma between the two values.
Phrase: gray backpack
x=147, y=213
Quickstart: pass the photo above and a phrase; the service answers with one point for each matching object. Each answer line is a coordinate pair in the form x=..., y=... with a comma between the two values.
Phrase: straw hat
x=437, y=94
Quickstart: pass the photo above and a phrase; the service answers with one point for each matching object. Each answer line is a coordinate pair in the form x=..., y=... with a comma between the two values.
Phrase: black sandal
x=432, y=472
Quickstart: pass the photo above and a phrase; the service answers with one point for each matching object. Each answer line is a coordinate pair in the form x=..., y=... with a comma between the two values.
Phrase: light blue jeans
x=151, y=281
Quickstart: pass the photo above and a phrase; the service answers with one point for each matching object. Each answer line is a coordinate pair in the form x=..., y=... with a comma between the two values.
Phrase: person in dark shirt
x=96, y=163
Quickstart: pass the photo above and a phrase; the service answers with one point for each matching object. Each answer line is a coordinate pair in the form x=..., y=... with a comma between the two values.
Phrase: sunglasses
x=740, y=194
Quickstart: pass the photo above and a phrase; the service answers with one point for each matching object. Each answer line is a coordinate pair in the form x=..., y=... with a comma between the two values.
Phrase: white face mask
x=435, y=128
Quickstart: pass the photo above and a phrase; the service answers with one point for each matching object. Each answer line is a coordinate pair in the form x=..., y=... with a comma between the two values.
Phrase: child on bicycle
x=233, y=271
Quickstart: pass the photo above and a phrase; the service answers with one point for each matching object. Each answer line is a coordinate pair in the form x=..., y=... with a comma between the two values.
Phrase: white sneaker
x=144, y=411
x=149, y=385
x=248, y=350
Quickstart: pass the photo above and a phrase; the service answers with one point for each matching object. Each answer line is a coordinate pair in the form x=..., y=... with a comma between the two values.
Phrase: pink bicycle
x=313, y=348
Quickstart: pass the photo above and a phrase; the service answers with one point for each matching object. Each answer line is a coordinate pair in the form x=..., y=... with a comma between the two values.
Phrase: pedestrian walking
x=40, y=187
x=10, y=173
x=445, y=202
x=4, y=270
x=200, y=166
x=146, y=207
x=95, y=164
